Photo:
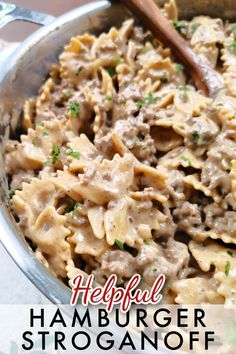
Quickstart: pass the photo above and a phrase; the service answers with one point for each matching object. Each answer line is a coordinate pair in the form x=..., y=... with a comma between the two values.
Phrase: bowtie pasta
x=125, y=167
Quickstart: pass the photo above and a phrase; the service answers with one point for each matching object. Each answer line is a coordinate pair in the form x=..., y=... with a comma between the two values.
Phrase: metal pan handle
x=11, y=12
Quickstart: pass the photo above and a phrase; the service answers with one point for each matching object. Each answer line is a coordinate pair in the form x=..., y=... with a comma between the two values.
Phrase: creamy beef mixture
x=125, y=167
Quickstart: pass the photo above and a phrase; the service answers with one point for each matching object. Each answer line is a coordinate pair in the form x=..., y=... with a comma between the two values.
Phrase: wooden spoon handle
x=205, y=78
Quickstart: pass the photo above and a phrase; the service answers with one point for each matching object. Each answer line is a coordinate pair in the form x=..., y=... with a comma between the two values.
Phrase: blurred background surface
x=18, y=31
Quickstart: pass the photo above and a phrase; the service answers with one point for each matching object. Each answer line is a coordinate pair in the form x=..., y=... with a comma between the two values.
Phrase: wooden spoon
x=206, y=79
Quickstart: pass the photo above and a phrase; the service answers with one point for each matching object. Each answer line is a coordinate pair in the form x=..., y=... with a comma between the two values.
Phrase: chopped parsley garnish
x=227, y=268
x=112, y=72
x=196, y=136
x=154, y=270
x=146, y=243
x=232, y=118
x=148, y=99
x=179, y=68
x=55, y=153
x=45, y=133
x=33, y=143
x=232, y=47
x=78, y=72
x=230, y=253
x=186, y=159
x=139, y=104
x=185, y=88
x=164, y=79
x=77, y=206
x=74, y=109
x=11, y=193
x=144, y=148
x=194, y=27
x=220, y=104
x=119, y=244
x=180, y=26
x=72, y=153
x=70, y=207
x=108, y=98
x=151, y=99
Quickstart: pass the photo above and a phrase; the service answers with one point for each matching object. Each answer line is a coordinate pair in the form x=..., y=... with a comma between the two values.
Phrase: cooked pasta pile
x=125, y=167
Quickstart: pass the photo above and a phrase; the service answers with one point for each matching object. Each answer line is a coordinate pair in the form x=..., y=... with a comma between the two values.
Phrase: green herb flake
x=186, y=159
x=179, y=68
x=220, y=104
x=108, y=98
x=144, y=148
x=33, y=143
x=230, y=253
x=146, y=243
x=77, y=206
x=232, y=47
x=45, y=133
x=164, y=79
x=119, y=244
x=194, y=27
x=139, y=104
x=227, y=268
x=72, y=153
x=180, y=26
x=70, y=207
x=154, y=270
x=232, y=118
x=78, y=72
x=185, y=89
x=55, y=153
x=151, y=99
x=74, y=109
x=197, y=136
x=11, y=193
x=112, y=72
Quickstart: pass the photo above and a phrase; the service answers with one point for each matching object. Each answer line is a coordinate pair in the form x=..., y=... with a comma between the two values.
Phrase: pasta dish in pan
x=124, y=167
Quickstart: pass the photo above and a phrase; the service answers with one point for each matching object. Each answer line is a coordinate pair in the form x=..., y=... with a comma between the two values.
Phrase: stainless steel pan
x=22, y=74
